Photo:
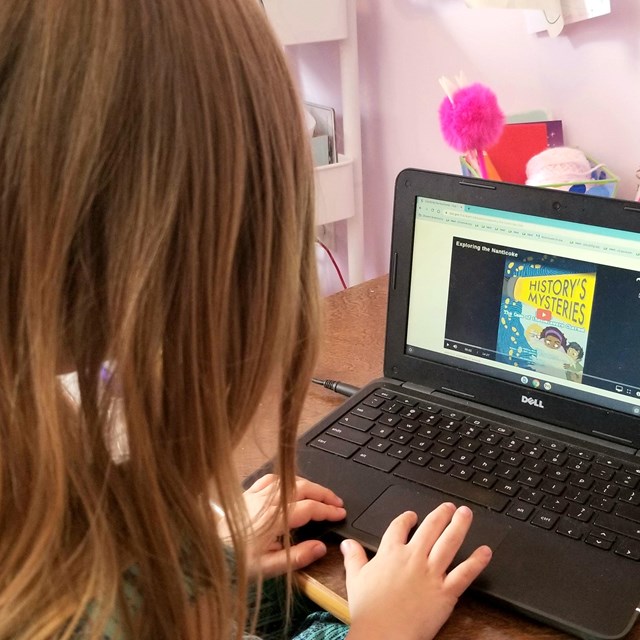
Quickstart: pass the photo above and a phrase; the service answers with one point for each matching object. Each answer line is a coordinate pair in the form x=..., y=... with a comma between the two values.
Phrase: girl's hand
x=405, y=590
x=310, y=501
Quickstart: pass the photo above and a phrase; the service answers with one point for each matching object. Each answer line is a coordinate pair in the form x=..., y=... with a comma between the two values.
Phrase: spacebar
x=458, y=488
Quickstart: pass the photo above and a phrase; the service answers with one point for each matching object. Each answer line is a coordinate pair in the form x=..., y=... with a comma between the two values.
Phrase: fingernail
x=346, y=546
x=318, y=550
x=465, y=510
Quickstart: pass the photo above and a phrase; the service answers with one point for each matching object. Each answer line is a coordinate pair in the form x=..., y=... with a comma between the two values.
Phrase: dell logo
x=533, y=401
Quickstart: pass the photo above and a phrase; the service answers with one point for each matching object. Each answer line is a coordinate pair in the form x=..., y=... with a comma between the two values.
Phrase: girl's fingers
x=459, y=578
x=447, y=545
x=432, y=527
x=306, y=490
x=398, y=531
x=304, y=511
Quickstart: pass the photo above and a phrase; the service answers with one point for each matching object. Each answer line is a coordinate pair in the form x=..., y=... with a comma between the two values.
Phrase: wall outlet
x=326, y=233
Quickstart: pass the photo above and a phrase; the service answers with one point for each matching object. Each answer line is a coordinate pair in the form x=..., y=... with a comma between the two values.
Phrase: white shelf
x=305, y=21
x=338, y=186
x=334, y=191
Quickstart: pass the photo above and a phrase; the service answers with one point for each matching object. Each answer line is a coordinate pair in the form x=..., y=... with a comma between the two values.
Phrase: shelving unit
x=339, y=185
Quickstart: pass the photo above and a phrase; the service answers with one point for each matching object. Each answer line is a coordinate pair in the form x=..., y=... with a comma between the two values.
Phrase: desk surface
x=352, y=351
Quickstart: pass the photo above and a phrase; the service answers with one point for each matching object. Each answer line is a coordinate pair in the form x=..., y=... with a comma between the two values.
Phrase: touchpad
x=485, y=529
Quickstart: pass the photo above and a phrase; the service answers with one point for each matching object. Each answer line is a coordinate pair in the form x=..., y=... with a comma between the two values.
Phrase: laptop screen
x=549, y=304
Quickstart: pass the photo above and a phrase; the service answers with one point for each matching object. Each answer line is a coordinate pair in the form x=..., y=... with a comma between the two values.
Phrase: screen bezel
x=614, y=426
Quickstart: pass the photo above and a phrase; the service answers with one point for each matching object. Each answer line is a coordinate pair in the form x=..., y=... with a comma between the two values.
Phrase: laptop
x=512, y=385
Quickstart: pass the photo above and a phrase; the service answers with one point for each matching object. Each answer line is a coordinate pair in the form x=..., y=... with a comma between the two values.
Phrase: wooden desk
x=352, y=351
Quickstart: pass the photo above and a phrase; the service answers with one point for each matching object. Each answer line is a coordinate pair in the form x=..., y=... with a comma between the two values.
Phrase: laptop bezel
x=605, y=424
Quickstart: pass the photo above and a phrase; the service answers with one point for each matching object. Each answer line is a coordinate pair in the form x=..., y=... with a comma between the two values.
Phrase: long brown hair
x=156, y=213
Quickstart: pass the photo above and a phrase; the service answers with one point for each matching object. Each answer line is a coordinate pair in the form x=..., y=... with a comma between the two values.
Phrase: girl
x=156, y=214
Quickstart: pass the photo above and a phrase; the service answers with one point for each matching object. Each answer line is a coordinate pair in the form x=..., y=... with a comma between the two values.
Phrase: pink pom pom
x=473, y=121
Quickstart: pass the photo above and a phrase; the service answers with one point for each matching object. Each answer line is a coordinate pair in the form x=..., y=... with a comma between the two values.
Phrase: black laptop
x=512, y=385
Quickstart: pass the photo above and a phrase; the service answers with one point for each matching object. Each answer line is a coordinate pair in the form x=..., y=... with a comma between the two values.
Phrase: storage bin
x=601, y=182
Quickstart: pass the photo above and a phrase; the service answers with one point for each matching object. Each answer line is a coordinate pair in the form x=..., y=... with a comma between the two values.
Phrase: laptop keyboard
x=573, y=492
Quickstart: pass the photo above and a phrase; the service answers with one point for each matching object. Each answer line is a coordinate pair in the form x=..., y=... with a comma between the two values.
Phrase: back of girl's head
x=156, y=213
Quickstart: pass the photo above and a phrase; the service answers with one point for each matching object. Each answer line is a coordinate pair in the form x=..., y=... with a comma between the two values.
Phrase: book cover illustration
x=545, y=314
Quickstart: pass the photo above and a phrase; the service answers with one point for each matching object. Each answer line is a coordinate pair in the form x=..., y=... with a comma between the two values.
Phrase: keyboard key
x=618, y=525
x=603, y=473
x=544, y=520
x=508, y=473
x=453, y=486
x=529, y=479
x=463, y=473
x=348, y=434
x=418, y=458
x=408, y=425
x=483, y=480
x=454, y=415
x=462, y=457
x=449, y=425
x=428, y=432
x=580, y=466
x=553, y=457
x=383, y=393
x=552, y=487
x=381, y=431
x=411, y=413
x=626, y=480
x=421, y=444
x=469, y=431
x=392, y=407
x=338, y=447
x=552, y=445
x=507, y=488
x=632, y=497
x=356, y=422
x=378, y=461
x=569, y=528
x=490, y=452
x=379, y=445
x=389, y=420
x=606, y=489
x=489, y=437
x=609, y=462
x=576, y=495
x=534, y=466
x=520, y=511
x=469, y=445
x=367, y=412
x=512, y=459
x=628, y=511
x=476, y=422
x=441, y=466
x=441, y=451
x=401, y=438
x=602, y=503
x=578, y=512
x=531, y=496
x=512, y=444
x=557, y=505
x=504, y=431
x=399, y=452
x=408, y=402
x=429, y=407
x=628, y=549
x=582, y=482
x=449, y=439
x=557, y=474
x=373, y=401
x=484, y=465
x=527, y=437
x=532, y=451
x=580, y=453
x=594, y=541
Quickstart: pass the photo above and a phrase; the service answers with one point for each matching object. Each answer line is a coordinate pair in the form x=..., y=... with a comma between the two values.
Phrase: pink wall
x=589, y=77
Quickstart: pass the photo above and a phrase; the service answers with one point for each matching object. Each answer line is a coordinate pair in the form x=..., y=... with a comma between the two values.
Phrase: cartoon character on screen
x=574, y=368
x=553, y=338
